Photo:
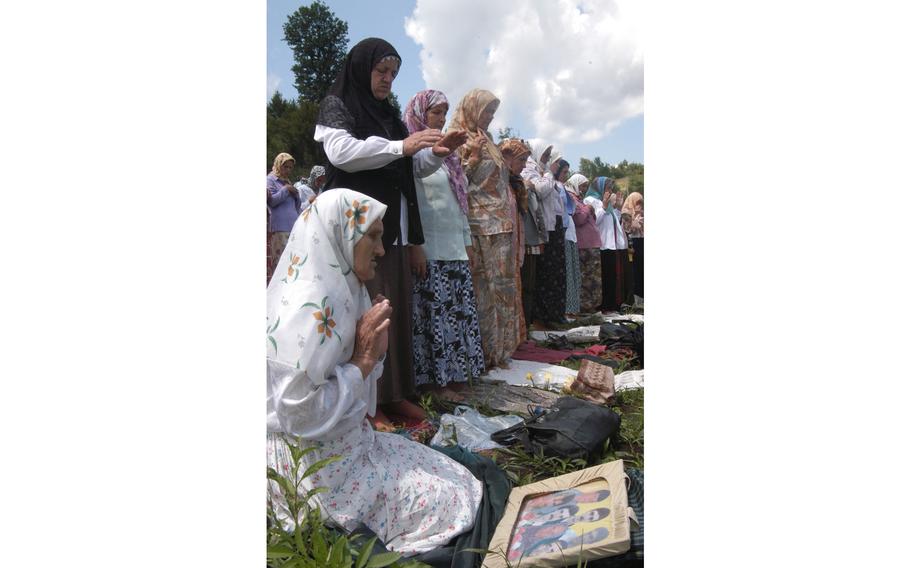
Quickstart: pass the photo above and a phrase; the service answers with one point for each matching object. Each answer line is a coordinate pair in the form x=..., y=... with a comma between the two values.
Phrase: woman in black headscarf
x=370, y=151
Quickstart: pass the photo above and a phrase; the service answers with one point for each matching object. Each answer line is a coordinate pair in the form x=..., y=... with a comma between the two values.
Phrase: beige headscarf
x=280, y=160
x=634, y=204
x=467, y=114
x=574, y=183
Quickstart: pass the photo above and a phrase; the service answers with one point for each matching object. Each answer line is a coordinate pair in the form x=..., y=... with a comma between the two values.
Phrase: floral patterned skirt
x=447, y=346
x=591, y=292
x=414, y=498
x=498, y=296
x=573, y=278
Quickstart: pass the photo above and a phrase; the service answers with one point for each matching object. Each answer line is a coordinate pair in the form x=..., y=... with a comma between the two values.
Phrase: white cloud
x=272, y=83
x=572, y=69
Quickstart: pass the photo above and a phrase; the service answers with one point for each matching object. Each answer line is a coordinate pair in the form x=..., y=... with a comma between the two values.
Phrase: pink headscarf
x=415, y=117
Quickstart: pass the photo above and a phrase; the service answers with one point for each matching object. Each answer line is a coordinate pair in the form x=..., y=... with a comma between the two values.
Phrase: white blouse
x=297, y=407
x=355, y=155
x=608, y=224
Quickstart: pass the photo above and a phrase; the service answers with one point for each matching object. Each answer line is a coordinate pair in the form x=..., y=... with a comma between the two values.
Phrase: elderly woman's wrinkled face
x=436, y=116
x=583, y=188
x=486, y=117
x=381, y=78
x=319, y=182
x=286, y=168
x=367, y=250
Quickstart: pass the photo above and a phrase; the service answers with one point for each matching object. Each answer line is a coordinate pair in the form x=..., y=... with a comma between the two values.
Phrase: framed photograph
x=581, y=515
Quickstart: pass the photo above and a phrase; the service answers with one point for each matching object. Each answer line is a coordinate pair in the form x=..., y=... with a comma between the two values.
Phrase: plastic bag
x=471, y=429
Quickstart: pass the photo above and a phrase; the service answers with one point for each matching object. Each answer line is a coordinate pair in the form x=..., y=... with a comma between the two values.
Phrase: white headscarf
x=314, y=299
x=538, y=147
x=574, y=183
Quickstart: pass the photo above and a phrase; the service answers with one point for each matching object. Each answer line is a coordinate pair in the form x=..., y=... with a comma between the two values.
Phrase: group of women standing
x=469, y=242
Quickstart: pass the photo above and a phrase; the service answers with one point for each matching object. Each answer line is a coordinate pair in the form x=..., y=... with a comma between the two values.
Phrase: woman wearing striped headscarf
x=447, y=344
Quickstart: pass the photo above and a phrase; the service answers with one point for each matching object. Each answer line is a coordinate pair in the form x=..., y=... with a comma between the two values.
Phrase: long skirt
x=393, y=280
x=550, y=293
x=616, y=271
x=591, y=293
x=498, y=300
x=573, y=278
x=638, y=264
x=447, y=345
x=277, y=241
x=528, y=282
x=414, y=498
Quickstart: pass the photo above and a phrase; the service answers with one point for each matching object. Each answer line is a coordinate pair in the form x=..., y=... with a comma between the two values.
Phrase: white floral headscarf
x=314, y=299
x=574, y=183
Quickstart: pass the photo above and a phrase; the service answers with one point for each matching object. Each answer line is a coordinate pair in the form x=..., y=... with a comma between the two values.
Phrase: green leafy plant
x=310, y=544
x=523, y=467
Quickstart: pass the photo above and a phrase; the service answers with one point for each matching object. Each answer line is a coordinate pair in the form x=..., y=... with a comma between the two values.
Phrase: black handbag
x=624, y=334
x=572, y=428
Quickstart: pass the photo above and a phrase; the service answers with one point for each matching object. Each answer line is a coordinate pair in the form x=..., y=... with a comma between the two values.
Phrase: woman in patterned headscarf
x=447, y=344
x=491, y=207
x=325, y=343
x=633, y=214
x=533, y=229
x=369, y=150
x=283, y=202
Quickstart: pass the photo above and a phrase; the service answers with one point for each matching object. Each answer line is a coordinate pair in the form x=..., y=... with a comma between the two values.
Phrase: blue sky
x=559, y=100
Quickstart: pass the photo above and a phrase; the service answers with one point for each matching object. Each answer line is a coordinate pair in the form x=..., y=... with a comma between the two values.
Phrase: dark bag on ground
x=572, y=428
x=624, y=333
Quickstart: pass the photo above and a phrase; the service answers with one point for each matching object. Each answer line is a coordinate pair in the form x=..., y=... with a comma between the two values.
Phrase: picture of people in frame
x=562, y=520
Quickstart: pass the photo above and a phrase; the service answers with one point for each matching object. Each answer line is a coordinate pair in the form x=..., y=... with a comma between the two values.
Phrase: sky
x=568, y=71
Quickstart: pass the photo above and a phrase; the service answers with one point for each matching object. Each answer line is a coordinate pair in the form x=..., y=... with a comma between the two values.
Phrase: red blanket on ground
x=530, y=351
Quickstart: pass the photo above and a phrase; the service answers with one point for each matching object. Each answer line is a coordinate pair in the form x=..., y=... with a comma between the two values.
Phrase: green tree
x=289, y=128
x=319, y=41
x=393, y=100
x=507, y=132
x=629, y=175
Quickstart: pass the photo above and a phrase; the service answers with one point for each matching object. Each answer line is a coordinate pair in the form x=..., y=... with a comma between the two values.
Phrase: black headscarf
x=351, y=106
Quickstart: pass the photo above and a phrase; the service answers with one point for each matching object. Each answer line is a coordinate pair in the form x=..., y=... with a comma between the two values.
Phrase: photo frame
x=581, y=514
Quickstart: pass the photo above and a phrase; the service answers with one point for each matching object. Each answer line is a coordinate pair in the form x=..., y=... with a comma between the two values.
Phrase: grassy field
x=311, y=544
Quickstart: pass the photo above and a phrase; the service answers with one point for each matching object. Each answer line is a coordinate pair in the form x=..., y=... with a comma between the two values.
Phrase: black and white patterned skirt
x=447, y=345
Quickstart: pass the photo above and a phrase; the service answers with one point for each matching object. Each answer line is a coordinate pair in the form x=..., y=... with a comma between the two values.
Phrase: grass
x=310, y=543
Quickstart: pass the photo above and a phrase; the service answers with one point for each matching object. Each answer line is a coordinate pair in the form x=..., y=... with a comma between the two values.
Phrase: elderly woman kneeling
x=326, y=344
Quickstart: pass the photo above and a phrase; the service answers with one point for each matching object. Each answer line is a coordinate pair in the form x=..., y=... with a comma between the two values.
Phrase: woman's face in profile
x=367, y=250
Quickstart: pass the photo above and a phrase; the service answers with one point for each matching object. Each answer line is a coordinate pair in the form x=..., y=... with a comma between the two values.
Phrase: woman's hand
x=474, y=148
x=372, y=336
x=292, y=190
x=418, y=261
x=420, y=140
x=450, y=142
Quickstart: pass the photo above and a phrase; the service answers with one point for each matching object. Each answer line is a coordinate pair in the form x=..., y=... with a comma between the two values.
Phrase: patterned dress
x=490, y=214
x=413, y=497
